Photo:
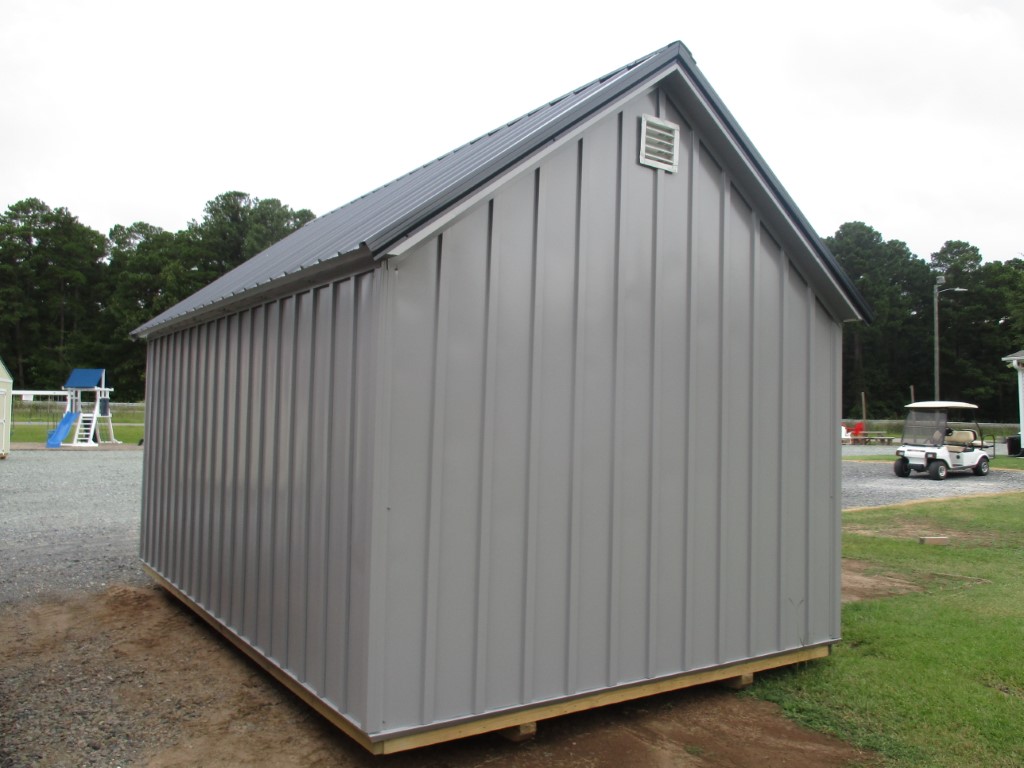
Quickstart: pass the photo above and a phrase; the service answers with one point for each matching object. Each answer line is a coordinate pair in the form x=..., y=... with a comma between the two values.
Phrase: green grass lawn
x=36, y=433
x=996, y=462
x=934, y=678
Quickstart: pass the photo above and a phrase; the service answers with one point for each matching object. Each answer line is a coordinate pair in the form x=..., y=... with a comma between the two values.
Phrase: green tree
x=151, y=270
x=235, y=227
x=978, y=327
x=885, y=359
x=52, y=290
x=72, y=297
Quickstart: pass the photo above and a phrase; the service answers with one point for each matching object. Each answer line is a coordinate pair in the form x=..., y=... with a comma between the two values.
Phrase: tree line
x=893, y=356
x=69, y=297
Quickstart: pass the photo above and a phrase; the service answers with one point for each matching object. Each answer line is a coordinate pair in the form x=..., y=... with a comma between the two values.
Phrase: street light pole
x=940, y=280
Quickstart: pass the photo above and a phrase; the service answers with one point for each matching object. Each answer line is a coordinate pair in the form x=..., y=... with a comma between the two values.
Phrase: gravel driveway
x=69, y=519
x=873, y=483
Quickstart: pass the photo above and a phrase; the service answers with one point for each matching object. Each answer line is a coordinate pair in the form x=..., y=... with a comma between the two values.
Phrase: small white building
x=1016, y=362
x=6, y=395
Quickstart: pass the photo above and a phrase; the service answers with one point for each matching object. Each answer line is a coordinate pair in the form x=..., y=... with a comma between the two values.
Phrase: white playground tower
x=89, y=417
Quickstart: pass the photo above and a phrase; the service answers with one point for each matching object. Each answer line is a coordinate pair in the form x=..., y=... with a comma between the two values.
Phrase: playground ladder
x=83, y=433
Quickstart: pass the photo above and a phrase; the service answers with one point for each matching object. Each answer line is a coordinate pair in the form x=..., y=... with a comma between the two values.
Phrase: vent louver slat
x=659, y=144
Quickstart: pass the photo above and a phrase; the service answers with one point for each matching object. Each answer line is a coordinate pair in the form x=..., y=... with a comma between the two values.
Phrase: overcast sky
x=905, y=114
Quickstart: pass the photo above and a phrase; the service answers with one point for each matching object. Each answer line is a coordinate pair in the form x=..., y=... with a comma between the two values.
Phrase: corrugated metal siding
x=258, y=467
x=610, y=440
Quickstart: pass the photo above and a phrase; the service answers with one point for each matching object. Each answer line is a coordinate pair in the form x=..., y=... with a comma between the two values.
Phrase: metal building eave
x=342, y=265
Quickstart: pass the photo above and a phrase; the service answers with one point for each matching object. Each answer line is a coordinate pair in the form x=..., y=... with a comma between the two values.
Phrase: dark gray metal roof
x=371, y=224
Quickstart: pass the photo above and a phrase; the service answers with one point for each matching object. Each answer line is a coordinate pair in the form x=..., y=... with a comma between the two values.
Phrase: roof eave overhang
x=342, y=265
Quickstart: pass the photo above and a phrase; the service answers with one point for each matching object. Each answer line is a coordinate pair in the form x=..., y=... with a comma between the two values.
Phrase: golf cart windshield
x=925, y=427
x=933, y=427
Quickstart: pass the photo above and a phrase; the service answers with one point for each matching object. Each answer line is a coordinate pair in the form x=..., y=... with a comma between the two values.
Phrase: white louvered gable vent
x=659, y=143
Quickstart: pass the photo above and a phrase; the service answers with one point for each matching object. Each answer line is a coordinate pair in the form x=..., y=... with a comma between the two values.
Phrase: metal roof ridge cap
x=412, y=238
x=623, y=80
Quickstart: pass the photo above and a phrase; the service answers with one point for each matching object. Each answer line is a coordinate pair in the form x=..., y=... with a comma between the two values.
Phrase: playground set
x=87, y=410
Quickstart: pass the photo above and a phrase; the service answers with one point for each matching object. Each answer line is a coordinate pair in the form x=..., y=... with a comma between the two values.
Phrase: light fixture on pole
x=940, y=280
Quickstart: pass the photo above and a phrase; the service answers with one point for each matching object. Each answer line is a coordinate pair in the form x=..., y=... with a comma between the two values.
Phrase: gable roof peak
x=373, y=223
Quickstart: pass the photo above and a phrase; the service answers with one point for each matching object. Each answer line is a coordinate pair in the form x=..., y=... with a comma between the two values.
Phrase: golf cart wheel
x=901, y=467
x=937, y=470
x=981, y=468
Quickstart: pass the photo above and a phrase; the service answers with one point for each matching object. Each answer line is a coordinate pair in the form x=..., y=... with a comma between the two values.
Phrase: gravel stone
x=69, y=522
x=874, y=484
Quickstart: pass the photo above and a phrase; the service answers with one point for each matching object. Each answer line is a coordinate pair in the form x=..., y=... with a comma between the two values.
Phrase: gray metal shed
x=543, y=425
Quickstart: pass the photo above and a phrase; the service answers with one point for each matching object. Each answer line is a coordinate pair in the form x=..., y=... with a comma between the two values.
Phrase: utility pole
x=939, y=280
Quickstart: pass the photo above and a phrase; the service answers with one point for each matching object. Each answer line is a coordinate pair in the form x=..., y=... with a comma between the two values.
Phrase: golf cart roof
x=937, y=405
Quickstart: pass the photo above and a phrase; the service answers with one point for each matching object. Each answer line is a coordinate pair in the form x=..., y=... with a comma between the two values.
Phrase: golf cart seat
x=961, y=440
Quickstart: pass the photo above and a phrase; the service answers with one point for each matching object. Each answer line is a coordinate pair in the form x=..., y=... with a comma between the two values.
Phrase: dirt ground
x=131, y=677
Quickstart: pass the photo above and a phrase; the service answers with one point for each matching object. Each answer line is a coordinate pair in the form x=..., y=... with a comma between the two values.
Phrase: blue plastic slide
x=55, y=437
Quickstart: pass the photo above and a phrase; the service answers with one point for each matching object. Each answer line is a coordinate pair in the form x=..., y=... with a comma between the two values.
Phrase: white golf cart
x=934, y=444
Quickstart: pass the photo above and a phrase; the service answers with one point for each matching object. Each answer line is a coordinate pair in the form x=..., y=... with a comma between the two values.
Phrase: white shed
x=6, y=404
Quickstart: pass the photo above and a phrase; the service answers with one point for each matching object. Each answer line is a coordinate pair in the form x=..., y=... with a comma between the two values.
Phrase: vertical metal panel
x=635, y=305
x=551, y=472
x=455, y=514
x=486, y=503
x=823, y=414
x=770, y=436
x=737, y=410
x=231, y=519
x=207, y=492
x=595, y=400
x=794, y=479
x=318, y=412
x=299, y=511
x=372, y=314
x=268, y=453
x=512, y=293
x=214, y=524
x=669, y=466
x=337, y=323
x=705, y=409
x=284, y=445
x=240, y=471
x=411, y=406
x=193, y=553
x=254, y=471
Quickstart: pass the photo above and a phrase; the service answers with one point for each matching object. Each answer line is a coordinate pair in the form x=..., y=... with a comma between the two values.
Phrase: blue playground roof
x=84, y=378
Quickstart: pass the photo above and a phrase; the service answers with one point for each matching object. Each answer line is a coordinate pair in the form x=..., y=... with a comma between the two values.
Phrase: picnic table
x=872, y=438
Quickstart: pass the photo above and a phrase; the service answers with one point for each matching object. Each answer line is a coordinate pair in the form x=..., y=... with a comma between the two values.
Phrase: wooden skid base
x=520, y=723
